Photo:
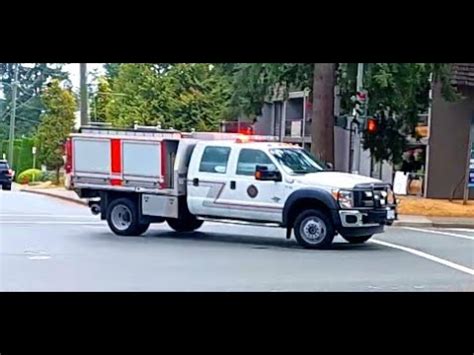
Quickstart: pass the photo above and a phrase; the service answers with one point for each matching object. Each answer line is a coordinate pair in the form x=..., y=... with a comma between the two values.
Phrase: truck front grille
x=375, y=197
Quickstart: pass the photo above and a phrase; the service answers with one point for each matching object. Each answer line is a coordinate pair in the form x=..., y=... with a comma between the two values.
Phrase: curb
x=413, y=224
x=453, y=225
x=65, y=198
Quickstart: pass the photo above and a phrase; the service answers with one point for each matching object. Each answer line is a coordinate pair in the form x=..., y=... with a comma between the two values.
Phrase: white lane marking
x=39, y=257
x=439, y=232
x=427, y=256
x=50, y=222
x=460, y=230
x=45, y=215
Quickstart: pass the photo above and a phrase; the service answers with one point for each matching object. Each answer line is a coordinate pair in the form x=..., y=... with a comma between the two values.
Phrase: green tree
x=198, y=96
x=31, y=80
x=111, y=70
x=57, y=122
x=139, y=97
x=100, y=99
x=182, y=96
x=398, y=92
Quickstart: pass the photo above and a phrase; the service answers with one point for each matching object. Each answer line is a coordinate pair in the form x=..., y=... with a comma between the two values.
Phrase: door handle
x=195, y=182
x=232, y=185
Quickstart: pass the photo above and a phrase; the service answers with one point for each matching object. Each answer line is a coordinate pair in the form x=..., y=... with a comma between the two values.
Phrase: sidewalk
x=57, y=192
x=404, y=220
x=437, y=222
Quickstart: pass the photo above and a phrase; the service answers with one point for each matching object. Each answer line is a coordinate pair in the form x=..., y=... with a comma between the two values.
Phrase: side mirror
x=262, y=173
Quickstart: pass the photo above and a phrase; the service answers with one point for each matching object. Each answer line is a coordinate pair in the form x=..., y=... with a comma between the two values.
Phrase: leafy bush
x=48, y=176
x=29, y=175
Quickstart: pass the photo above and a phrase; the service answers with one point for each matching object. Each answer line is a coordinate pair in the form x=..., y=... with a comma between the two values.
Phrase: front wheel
x=185, y=224
x=357, y=240
x=314, y=229
x=122, y=218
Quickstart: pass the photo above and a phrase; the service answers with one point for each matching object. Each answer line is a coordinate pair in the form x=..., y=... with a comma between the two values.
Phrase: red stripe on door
x=116, y=156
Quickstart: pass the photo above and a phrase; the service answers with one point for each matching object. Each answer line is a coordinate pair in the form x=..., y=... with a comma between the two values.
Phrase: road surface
x=48, y=244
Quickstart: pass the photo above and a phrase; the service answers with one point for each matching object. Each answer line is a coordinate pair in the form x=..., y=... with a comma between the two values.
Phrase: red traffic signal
x=372, y=125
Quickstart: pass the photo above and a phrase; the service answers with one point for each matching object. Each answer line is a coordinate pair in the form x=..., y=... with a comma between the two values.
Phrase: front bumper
x=361, y=223
x=366, y=218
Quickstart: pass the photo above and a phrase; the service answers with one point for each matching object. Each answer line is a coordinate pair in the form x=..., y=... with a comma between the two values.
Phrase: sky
x=73, y=70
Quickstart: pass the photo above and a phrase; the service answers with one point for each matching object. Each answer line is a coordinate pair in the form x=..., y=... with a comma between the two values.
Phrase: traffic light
x=372, y=125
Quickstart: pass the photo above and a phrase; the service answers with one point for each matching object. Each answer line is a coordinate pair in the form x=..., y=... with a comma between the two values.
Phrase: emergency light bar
x=238, y=137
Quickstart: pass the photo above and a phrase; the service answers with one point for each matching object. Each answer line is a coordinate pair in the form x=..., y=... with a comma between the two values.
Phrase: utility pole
x=352, y=130
x=83, y=91
x=11, y=137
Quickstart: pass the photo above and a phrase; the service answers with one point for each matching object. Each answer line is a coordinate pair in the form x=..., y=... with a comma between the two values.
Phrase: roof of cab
x=250, y=144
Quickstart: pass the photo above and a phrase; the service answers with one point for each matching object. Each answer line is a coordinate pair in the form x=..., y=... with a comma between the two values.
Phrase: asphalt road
x=52, y=245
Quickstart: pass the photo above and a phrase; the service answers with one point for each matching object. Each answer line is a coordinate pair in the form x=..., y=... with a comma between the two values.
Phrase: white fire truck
x=134, y=177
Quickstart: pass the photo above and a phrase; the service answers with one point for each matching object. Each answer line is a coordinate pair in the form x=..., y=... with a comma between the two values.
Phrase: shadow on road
x=255, y=242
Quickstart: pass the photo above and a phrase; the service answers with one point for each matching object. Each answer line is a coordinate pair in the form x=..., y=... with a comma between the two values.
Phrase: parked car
x=6, y=175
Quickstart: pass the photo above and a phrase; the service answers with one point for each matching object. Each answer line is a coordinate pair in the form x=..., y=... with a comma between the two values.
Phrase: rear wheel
x=6, y=187
x=357, y=240
x=122, y=218
x=314, y=229
x=184, y=225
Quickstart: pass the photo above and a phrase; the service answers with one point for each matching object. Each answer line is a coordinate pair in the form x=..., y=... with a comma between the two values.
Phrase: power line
x=21, y=105
x=28, y=119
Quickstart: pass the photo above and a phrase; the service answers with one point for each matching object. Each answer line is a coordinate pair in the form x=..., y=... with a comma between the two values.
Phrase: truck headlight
x=344, y=198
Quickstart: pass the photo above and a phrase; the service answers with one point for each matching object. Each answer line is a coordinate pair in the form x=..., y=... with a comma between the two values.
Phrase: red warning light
x=247, y=131
x=372, y=125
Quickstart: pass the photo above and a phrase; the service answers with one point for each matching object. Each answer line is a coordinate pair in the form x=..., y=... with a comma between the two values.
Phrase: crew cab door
x=208, y=180
x=253, y=199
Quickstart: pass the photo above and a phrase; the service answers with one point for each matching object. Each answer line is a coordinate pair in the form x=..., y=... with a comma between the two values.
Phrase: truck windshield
x=297, y=161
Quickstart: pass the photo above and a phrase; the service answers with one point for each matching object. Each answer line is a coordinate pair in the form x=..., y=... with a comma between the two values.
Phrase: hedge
x=22, y=153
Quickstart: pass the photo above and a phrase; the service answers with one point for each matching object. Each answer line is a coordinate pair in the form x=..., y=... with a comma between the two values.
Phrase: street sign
x=360, y=101
x=33, y=150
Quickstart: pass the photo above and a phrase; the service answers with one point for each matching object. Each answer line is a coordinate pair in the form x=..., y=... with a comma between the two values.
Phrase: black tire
x=357, y=240
x=184, y=225
x=131, y=226
x=7, y=187
x=142, y=228
x=323, y=225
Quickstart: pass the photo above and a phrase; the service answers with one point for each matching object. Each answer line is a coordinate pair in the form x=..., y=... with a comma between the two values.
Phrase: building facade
x=449, y=137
